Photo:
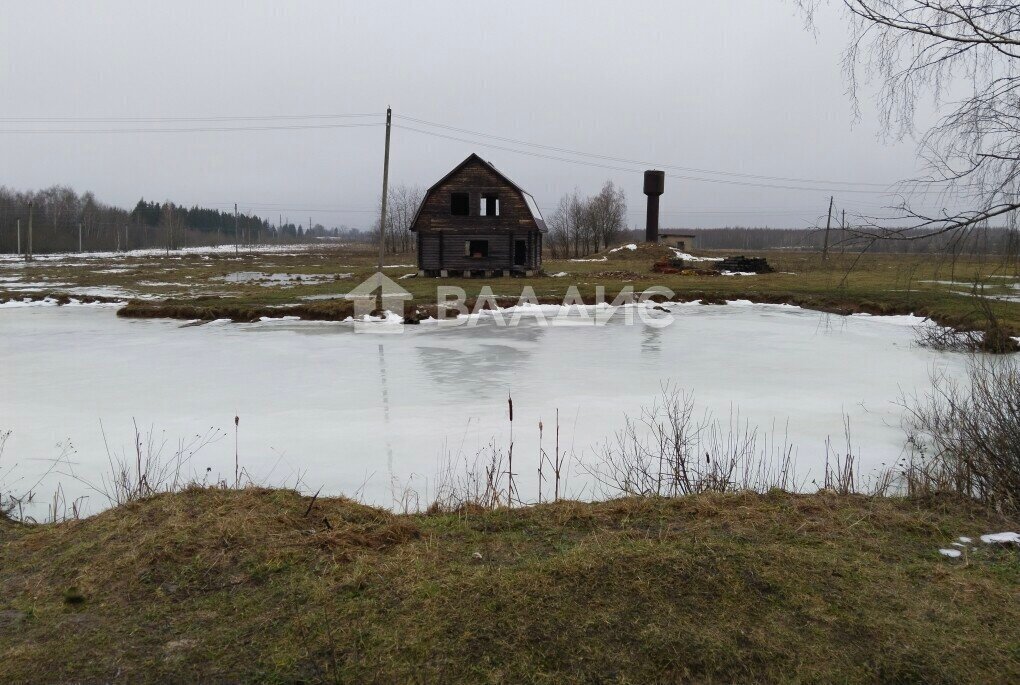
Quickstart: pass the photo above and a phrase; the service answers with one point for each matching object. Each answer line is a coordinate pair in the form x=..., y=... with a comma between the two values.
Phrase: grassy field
x=194, y=286
x=268, y=586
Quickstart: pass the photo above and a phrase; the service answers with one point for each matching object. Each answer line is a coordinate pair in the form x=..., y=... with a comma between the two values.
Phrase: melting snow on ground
x=691, y=258
x=951, y=553
x=629, y=246
x=159, y=252
x=286, y=280
x=31, y=285
x=50, y=302
x=1001, y=538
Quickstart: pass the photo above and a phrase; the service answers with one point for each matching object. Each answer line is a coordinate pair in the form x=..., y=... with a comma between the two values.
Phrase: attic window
x=460, y=204
x=476, y=249
x=490, y=205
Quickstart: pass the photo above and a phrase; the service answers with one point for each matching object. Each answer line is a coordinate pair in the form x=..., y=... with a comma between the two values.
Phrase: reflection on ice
x=336, y=408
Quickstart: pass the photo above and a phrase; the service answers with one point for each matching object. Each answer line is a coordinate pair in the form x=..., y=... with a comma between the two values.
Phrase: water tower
x=655, y=183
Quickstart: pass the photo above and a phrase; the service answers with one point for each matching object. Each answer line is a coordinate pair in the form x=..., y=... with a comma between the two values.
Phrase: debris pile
x=744, y=264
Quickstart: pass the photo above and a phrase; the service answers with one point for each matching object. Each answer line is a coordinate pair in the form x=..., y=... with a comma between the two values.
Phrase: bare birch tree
x=608, y=215
x=965, y=55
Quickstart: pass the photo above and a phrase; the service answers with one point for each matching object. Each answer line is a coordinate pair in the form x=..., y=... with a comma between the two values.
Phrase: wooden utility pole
x=19, y=236
x=79, y=236
x=31, y=209
x=842, y=233
x=828, y=224
x=236, y=237
x=385, y=190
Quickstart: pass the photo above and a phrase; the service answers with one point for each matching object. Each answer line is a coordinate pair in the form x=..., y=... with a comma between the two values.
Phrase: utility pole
x=31, y=209
x=79, y=236
x=842, y=225
x=19, y=236
x=828, y=224
x=385, y=190
x=235, y=231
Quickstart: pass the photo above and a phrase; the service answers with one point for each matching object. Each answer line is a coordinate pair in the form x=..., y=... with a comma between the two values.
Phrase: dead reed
x=151, y=467
x=667, y=451
x=965, y=438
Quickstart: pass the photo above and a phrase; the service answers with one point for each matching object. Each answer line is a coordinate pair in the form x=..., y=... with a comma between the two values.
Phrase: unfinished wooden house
x=477, y=222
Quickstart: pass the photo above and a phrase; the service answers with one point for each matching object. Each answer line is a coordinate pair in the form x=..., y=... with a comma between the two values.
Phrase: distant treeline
x=991, y=240
x=59, y=215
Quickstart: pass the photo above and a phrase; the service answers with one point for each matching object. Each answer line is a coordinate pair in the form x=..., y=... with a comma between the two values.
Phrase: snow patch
x=285, y=280
x=51, y=302
x=951, y=553
x=1001, y=538
x=691, y=258
x=629, y=246
x=559, y=274
x=160, y=252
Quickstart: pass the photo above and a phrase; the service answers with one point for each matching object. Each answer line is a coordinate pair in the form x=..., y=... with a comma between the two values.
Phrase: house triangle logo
x=378, y=300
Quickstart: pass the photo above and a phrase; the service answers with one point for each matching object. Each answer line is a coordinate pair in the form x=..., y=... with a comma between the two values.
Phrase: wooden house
x=477, y=222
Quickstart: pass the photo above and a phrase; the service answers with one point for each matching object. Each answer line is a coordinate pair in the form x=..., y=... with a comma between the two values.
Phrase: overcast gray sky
x=734, y=86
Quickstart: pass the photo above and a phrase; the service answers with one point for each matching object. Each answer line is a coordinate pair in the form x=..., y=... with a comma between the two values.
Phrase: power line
x=271, y=117
x=202, y=129
x=642, y=162
x=682, y=177
x=322, y=122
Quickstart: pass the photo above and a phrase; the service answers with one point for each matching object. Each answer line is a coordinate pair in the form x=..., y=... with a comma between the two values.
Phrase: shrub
x=966, y=437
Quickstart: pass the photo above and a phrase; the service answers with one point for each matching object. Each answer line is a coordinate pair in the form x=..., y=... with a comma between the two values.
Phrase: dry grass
x=872, y=283
x=265, y=585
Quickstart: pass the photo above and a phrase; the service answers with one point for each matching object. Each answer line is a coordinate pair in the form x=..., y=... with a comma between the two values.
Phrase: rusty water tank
x=655, y=184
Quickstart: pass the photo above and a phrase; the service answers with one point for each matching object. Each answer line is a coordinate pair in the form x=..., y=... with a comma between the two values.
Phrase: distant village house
x=477, y=222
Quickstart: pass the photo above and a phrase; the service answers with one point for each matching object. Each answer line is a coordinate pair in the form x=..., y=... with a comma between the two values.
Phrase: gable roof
x=529, y=200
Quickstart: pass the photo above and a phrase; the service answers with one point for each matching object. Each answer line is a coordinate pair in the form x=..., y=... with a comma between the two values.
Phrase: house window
x=476, y=249
x=490, y=205
x=460, y=204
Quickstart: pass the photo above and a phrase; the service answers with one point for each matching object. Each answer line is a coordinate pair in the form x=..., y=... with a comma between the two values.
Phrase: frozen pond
x=371, y=414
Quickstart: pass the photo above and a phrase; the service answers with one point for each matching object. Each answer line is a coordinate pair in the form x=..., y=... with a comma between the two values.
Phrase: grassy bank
x=194, y=286
x=269, y=586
